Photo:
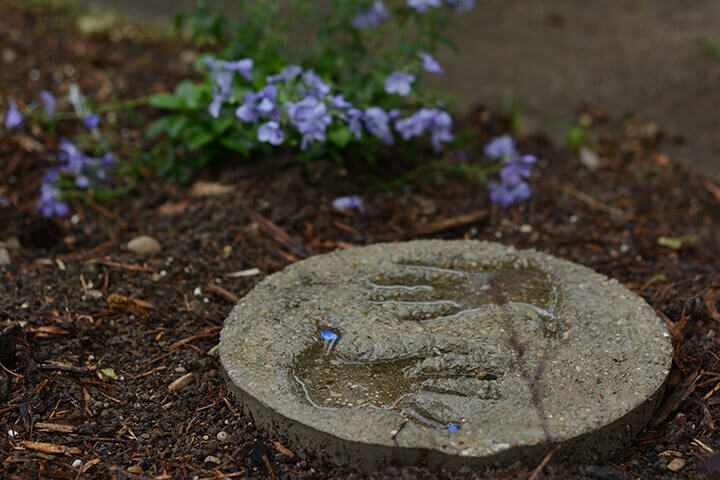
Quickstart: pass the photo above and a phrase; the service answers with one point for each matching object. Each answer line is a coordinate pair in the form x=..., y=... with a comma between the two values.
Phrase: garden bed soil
x=108, y=357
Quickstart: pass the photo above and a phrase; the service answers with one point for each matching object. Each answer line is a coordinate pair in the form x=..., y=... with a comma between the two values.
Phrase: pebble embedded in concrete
x=445, y=352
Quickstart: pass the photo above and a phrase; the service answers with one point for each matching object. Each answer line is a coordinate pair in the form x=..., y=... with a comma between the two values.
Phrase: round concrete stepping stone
x=445, y=353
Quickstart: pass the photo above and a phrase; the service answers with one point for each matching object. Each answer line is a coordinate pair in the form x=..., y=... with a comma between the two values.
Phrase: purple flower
x=371, y=17
x=13, y=117
x=317, y=88
x=377, y=122
x=516, y=168
x=50, y=102
x=243, y=67
x=311, y=118
x=501, y=147
x=49, y=204
x=430, y=64
x=505, y=194
x=354, y=118
x=91, y=121
x=271, y=133
x=441, y=129
x=461, y=5
x=73, y=160
x=290, y=72
x=86, y=170
x=437, y=121
x=339, y=102
x=262, y=104
x=222, y=90
x=352, y=202
x=423, y=5
x=399, y=82
x=222, y=72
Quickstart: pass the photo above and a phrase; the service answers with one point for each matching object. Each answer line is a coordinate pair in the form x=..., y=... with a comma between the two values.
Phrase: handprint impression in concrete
x=462, y=335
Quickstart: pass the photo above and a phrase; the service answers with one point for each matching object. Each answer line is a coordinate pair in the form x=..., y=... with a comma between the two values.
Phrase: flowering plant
x=357, y=85
x=352, y=93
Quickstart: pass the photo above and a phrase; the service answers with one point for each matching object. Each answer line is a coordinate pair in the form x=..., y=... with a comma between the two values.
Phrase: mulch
x=108, y=358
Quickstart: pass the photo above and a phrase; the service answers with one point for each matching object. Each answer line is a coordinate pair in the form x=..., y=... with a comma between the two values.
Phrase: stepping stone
x=452, y=353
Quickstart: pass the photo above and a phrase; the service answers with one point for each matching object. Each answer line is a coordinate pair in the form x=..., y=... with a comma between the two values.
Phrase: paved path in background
x=627, y=56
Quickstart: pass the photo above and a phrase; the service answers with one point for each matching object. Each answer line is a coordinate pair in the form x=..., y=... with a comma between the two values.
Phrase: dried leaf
x=675, y=243
x=109, y=372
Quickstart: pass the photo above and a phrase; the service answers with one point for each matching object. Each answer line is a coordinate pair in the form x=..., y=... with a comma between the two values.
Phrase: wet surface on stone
x=432, y=295
x=464, y=348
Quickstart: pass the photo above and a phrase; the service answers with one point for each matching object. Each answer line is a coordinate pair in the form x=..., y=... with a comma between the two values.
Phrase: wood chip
x=284, y=450
x=180, y=383
x=244, y=273
x=54, y=427
x=676, y=464
x=682, y=392
x=279, y=235
x=135, y=307
x=205, y=189
x=449, y=223
x=48, y=330
x=51, y=448
x=89, y=464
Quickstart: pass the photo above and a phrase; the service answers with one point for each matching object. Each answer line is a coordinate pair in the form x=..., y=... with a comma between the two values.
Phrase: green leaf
x=237, y=144
x=167, y=101
x=200, y=138
x=340, y=136
x=171, y=125
x=188, y=93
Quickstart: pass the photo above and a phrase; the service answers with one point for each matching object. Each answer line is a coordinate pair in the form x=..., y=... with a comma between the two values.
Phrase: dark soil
x=86, y=373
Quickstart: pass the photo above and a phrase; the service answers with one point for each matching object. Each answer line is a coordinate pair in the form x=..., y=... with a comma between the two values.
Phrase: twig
x=221, y=292
x=134, y=268
x=591, y=202
x=268, y=466
x=64, y=368
x=279, y=235
x=449, y=223
x=538, y=470
x=51, y=448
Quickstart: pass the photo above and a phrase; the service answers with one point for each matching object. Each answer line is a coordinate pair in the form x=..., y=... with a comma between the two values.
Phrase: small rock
x=589, y=158
x=144, y=245
x=9, y=55
x=12, y=243
x=97, y=294
x=205, y=189
x=4, y=257
x=180, y=383
x=212, y=459
x=676, y=464
x=76, y=463
x=180, y=369
x=222, y=436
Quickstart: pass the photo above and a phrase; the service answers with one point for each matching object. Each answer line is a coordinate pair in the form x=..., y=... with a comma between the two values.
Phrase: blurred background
x=659, y=59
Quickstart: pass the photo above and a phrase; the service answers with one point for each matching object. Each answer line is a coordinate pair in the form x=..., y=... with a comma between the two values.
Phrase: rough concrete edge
x=585, y=448
x=365, y=457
